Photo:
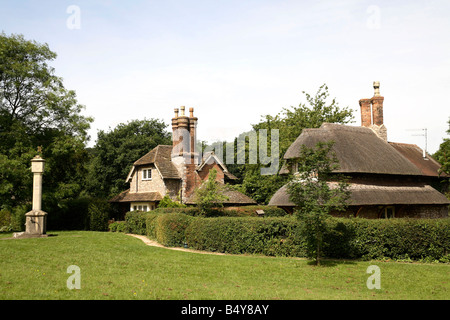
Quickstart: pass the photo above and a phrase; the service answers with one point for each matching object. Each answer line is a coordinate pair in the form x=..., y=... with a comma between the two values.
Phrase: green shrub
x=270, y=236
x=166, y=202
x=5, y=221
x=346, y=238
x=150, y=222
x=98, y=211
x=136, y=222
x=18, y=217
x=118, y=226
x=170, y=228
x=196, y=212
x=70, y=214
x=5, y=217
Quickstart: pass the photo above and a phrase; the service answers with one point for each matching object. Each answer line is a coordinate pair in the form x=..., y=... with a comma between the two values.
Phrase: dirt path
x=152, y=243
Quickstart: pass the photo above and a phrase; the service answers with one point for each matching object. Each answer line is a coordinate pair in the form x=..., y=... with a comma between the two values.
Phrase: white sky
x=235, y=61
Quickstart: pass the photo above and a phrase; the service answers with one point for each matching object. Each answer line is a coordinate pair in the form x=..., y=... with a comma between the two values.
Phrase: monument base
x=35, y=223
x=24, y=235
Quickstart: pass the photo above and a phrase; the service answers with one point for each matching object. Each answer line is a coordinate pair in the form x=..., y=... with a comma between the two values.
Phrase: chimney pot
x=182, y=111
x=191, y=111
x=376, y=87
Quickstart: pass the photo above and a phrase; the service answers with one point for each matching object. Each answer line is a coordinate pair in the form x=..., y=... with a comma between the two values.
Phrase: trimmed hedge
x=136, y=222
x=170, y=228
x=347, y=238
x=245, y=211
x=268, y=236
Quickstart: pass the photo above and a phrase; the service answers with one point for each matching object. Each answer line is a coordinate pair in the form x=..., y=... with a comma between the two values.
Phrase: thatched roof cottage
x=386, y=179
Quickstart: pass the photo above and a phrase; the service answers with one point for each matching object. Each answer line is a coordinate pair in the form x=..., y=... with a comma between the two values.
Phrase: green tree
x=290, y=123
x=166, y=202
x=37, y=111
x=316, y=191
x=443, y=157
x=312, y=114
x=210, y=195
x=115, y=152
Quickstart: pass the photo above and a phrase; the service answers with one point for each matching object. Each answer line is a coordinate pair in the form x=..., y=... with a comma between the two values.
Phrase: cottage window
x=388, y=212
x=147, y=174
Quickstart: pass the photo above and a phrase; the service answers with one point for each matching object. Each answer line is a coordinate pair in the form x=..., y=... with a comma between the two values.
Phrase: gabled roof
x=160, y=157
x=211, y=156
x=358, y=149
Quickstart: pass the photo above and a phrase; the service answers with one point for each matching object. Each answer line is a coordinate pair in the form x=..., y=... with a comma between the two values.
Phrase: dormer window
x=147, y=174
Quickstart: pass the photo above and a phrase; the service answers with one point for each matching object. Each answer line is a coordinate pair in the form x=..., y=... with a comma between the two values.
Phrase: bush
x=346, y=238
x=170, y=229
x=136, y=222
x=98, y=211
x=269, y=236
x=166, y=202
x=5, y=220
x=71, y=214
x=151, y=225
x=118, y=226
x=399, y=239
x=18, y=217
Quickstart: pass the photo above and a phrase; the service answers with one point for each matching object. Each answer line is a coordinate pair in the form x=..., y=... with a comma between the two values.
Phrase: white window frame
x=146, y=173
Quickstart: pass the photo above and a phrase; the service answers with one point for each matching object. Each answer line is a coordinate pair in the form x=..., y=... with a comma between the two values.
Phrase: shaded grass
x=117, y=266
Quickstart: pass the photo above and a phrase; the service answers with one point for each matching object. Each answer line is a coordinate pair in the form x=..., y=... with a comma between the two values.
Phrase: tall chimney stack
x=372, y=112
x=366, y=112
x=377, y=105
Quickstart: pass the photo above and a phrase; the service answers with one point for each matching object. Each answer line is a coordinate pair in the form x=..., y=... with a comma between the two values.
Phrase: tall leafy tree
x=290, y=123
x=37, y=112
x=316, y=191
x=443, y=157
x=116, y=150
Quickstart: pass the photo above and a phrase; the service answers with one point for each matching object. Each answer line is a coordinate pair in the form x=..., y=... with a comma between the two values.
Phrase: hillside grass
x=117, y=266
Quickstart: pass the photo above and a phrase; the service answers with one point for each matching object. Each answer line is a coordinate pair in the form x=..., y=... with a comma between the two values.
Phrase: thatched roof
x=126, y=196
x=161, y=158
x=427, y=166
x=358, y=149
x=376, y=194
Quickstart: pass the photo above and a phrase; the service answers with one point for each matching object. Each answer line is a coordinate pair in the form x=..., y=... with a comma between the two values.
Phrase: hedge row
x=245, y=211
x=397, y=239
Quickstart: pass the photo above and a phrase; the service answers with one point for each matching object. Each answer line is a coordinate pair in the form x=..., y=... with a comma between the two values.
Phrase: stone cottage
x=175, y=170
x=386, y=179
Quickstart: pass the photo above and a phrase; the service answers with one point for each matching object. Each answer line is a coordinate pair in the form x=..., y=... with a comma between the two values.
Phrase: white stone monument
x=36, y=219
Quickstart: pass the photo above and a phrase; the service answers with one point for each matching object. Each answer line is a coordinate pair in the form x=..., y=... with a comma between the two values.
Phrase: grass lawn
x=117, y=266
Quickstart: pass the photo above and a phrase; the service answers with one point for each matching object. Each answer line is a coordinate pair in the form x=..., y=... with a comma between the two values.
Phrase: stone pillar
x=36, y=219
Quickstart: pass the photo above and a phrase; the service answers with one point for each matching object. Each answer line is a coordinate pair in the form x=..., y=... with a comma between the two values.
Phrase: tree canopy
x=37, y=111
x=116, y=150
x=290, y=123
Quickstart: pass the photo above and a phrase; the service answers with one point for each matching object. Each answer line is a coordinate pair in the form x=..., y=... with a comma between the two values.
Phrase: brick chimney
x=184, y=156
x=377, y=105
x=366, y=112
x=372, y=112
